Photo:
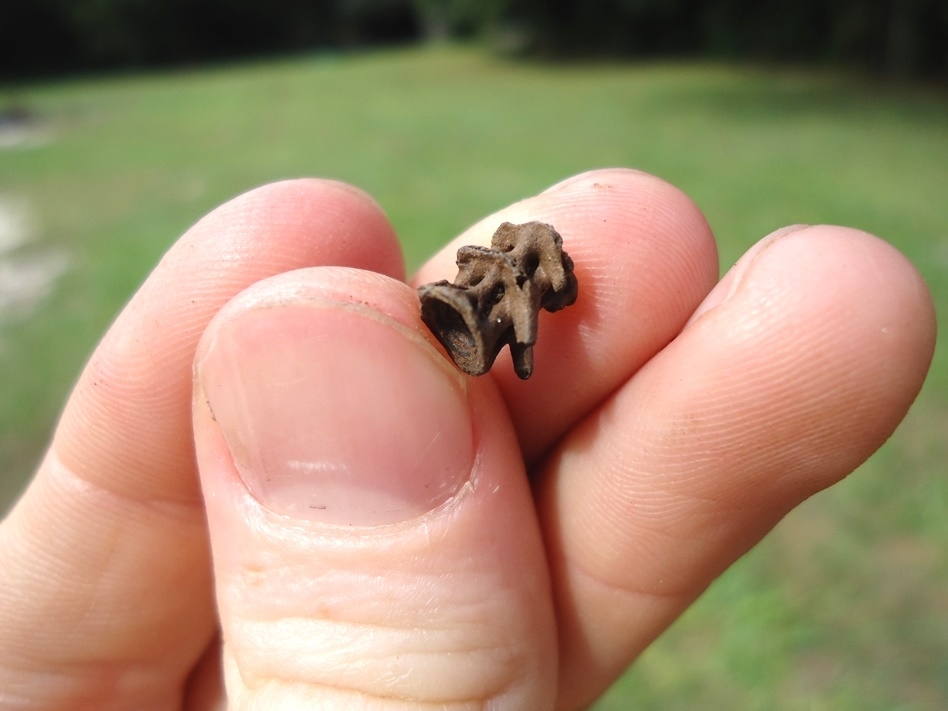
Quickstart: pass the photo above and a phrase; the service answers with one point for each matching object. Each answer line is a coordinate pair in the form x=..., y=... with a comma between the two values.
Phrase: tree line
x=899, y=37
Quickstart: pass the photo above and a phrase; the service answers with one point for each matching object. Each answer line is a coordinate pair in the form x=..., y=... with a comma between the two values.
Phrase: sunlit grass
x=844, y=607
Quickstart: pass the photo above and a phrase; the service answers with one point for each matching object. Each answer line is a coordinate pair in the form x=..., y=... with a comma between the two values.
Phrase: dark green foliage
x=893, y=36
x=442, y=19
x=608, y=27
x=121, y=32
x=899, y=37
x=42, y=36
x=36, y=36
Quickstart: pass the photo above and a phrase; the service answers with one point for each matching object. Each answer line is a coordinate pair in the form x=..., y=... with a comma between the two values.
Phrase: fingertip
x=854, y=284
x=348, y=225
x=597, y=212
x=307, y=388
x=826, y=324
x=644, y=258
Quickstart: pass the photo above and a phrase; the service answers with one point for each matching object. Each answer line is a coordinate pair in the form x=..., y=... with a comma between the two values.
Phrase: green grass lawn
x=845, y=606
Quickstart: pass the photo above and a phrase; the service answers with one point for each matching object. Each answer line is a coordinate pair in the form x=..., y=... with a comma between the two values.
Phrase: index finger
x=644, y=258
x=107, y=573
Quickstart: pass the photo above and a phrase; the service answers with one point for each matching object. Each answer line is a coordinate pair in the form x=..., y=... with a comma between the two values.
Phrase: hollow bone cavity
x=497, y=295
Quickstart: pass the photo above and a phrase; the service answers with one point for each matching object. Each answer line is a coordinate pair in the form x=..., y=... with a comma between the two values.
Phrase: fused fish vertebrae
x=497, y=295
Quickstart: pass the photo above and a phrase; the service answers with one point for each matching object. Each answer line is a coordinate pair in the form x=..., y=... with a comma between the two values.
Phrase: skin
x=268, y=448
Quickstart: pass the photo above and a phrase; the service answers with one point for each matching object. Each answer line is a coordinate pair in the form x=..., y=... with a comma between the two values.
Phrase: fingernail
x=337, y=415
x=735, y=275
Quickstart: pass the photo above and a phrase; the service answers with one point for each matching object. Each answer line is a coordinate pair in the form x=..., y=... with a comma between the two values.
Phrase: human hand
x=388, y=533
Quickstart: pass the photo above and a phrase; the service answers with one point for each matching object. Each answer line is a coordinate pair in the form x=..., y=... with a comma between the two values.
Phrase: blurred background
x=123, y=121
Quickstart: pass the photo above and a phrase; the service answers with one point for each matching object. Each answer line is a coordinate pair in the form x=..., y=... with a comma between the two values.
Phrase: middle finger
x=644, y=258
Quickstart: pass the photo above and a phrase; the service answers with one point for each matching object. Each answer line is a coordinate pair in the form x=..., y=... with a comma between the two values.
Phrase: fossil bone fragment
x=497, y=295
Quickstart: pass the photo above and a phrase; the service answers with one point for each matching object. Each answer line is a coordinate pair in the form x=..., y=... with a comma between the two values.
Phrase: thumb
x=372, y=528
